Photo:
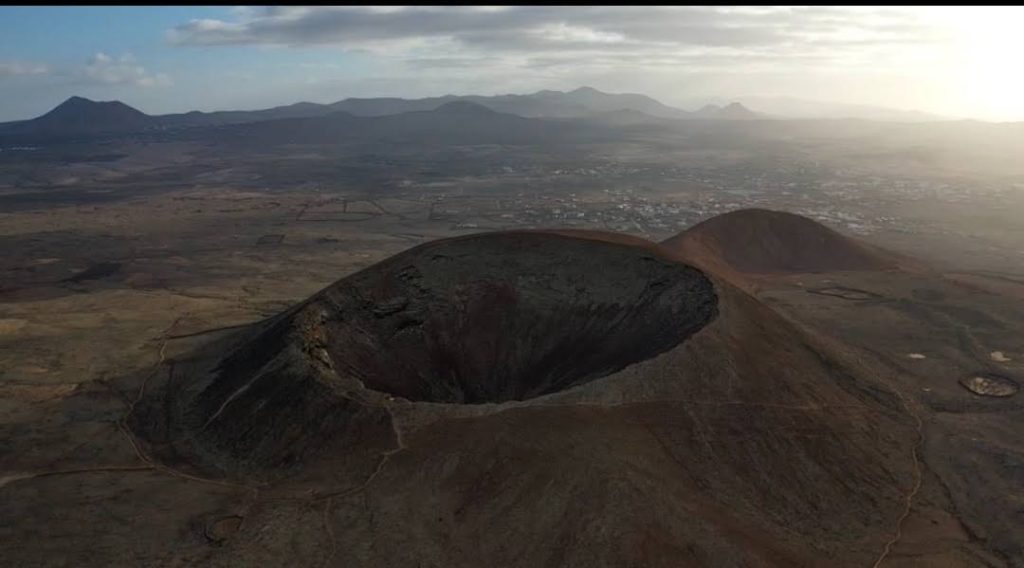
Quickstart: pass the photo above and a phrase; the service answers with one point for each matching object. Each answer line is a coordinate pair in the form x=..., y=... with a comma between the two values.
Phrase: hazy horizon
x=950, y=61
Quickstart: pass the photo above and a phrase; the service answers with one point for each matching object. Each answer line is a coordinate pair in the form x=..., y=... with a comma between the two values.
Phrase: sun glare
x=987, y=44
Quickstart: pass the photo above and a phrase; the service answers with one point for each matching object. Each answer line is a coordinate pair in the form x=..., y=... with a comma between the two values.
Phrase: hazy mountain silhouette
x=196, y=118
x=457, y=122
x=731, y=111
x=388, y=105
x=791, y=107
x=78, y=115
x=542, y=104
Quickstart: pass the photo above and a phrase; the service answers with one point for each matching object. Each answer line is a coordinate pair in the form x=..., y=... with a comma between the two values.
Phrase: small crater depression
x=220, y=530
x=988, y=384
x=270, y=240
x=95, y=272
x=845, y=293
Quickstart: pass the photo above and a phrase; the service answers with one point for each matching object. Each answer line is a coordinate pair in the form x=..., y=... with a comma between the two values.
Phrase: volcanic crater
x=487, y=318
x=496, y=318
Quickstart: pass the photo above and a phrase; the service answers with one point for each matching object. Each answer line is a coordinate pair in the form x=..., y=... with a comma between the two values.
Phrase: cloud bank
x=20, y=68
x=544, y=36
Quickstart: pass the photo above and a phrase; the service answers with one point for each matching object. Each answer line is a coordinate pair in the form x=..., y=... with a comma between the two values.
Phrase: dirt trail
x=147, y=463
x=912, y=493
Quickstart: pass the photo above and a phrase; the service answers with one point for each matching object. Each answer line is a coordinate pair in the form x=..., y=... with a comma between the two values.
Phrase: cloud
x=19, y=68
x=669, y=51
x=536, y=25
x=733, y=38
x=124, y=70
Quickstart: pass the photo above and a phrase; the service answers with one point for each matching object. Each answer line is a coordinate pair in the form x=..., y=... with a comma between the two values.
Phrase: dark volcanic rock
x=509, y=316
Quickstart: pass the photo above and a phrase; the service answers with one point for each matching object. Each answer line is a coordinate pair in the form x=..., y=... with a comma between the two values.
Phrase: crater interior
x=501, y=317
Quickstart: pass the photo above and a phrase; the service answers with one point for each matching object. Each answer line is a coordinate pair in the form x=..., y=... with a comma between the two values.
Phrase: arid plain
x=824, y=416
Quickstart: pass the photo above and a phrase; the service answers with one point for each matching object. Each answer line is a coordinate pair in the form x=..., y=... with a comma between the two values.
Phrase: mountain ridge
x=78, y=115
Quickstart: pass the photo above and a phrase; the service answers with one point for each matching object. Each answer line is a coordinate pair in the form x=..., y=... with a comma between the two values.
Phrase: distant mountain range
x=790, y=108
x=79, y=117
x=455, y=122
x=502, y=116
x=580, y=103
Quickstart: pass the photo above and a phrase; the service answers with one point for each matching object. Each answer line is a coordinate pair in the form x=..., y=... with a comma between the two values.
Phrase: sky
x=961, y=62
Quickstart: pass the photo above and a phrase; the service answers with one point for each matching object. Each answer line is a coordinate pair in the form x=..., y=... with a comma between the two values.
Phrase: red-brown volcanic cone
x=760, y=241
